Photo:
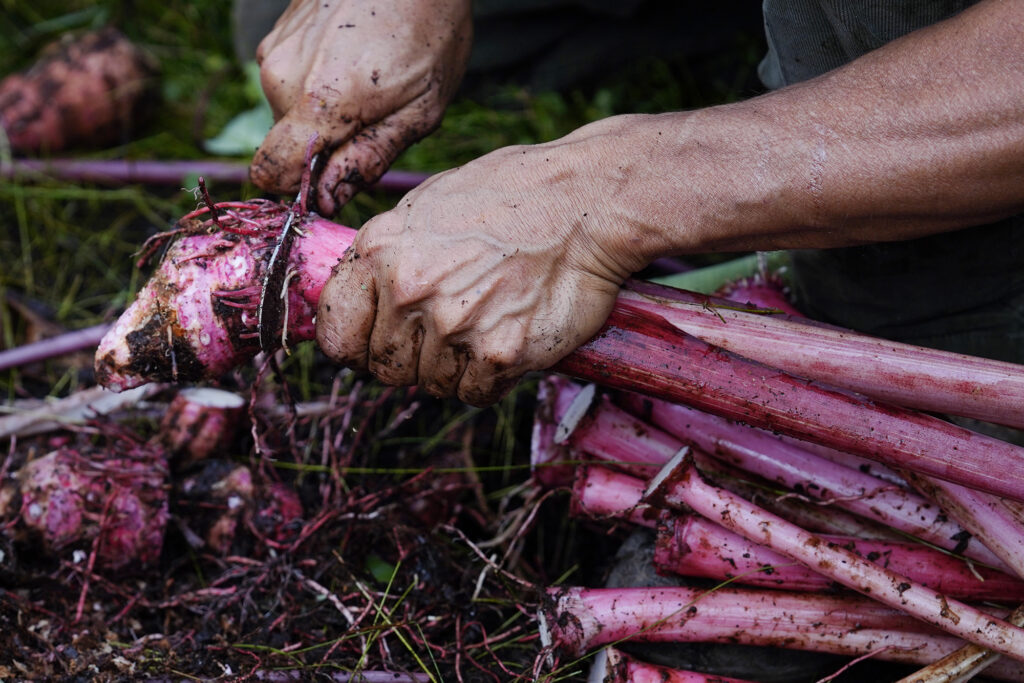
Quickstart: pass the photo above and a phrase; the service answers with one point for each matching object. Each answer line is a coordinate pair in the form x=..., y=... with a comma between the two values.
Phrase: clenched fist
x=483, y=273
x=367, y=78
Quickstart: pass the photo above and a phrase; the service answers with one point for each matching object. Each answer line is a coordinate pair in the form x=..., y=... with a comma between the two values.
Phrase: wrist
x=688, y=182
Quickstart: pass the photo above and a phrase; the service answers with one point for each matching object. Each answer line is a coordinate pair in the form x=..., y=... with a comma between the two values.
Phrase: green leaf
x=244, y=133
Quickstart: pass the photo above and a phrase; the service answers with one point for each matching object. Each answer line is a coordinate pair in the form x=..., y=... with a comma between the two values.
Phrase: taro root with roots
x=92, y=501
x=84, y=91
x=199, y=314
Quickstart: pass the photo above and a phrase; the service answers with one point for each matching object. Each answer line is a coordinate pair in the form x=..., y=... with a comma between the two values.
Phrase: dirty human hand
x=481, y=274
x=367, y=78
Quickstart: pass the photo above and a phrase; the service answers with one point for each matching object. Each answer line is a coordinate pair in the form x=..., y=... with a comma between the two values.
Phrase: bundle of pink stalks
x=576, y=620
x=689, y=545
x=607, y=432
x=998, y=523
x=680, y=486
x=197, y=318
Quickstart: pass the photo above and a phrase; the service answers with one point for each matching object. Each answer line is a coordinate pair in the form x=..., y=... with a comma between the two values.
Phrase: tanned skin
x=508, y=263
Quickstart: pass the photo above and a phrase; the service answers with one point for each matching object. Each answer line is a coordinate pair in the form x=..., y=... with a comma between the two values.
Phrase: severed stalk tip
x=576, y=411
x=667, y=477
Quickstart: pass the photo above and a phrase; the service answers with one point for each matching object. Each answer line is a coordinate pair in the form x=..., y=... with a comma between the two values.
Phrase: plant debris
x=330, y=538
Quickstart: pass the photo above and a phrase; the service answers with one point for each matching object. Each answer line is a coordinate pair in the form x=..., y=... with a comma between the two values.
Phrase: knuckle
x=499, y=354
x=404, y=293
x=440, y=373
x=375, y=151
x=448, y=322
x=389, y=366
x=473, y=395
x=438, y=390
x=269, y=169
x=477, y=395
x=486, y=391
x=333, y=346
x=408, y=284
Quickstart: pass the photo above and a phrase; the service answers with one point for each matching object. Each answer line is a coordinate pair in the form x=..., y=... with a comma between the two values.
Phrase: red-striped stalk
x=690, y=545
x=600, y=492
x=612, y=434
x=639, y=352
x=680, y=486
x=576, y=620
x=904, y=374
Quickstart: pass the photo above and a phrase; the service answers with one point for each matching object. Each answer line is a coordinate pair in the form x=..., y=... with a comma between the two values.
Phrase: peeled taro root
x=89, y=90
x=199, y=423
x=198, y=316
x=68, y=500
x=228, y=512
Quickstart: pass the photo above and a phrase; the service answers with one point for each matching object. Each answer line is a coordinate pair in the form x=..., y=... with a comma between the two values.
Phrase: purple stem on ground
x=347, y=677
x=69, y=342
x=167, y=172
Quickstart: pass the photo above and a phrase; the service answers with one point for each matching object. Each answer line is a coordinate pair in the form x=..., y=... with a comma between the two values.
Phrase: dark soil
x=409, y=556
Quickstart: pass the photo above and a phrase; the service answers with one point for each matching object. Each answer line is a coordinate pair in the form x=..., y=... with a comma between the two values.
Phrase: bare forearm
x=922, y=136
